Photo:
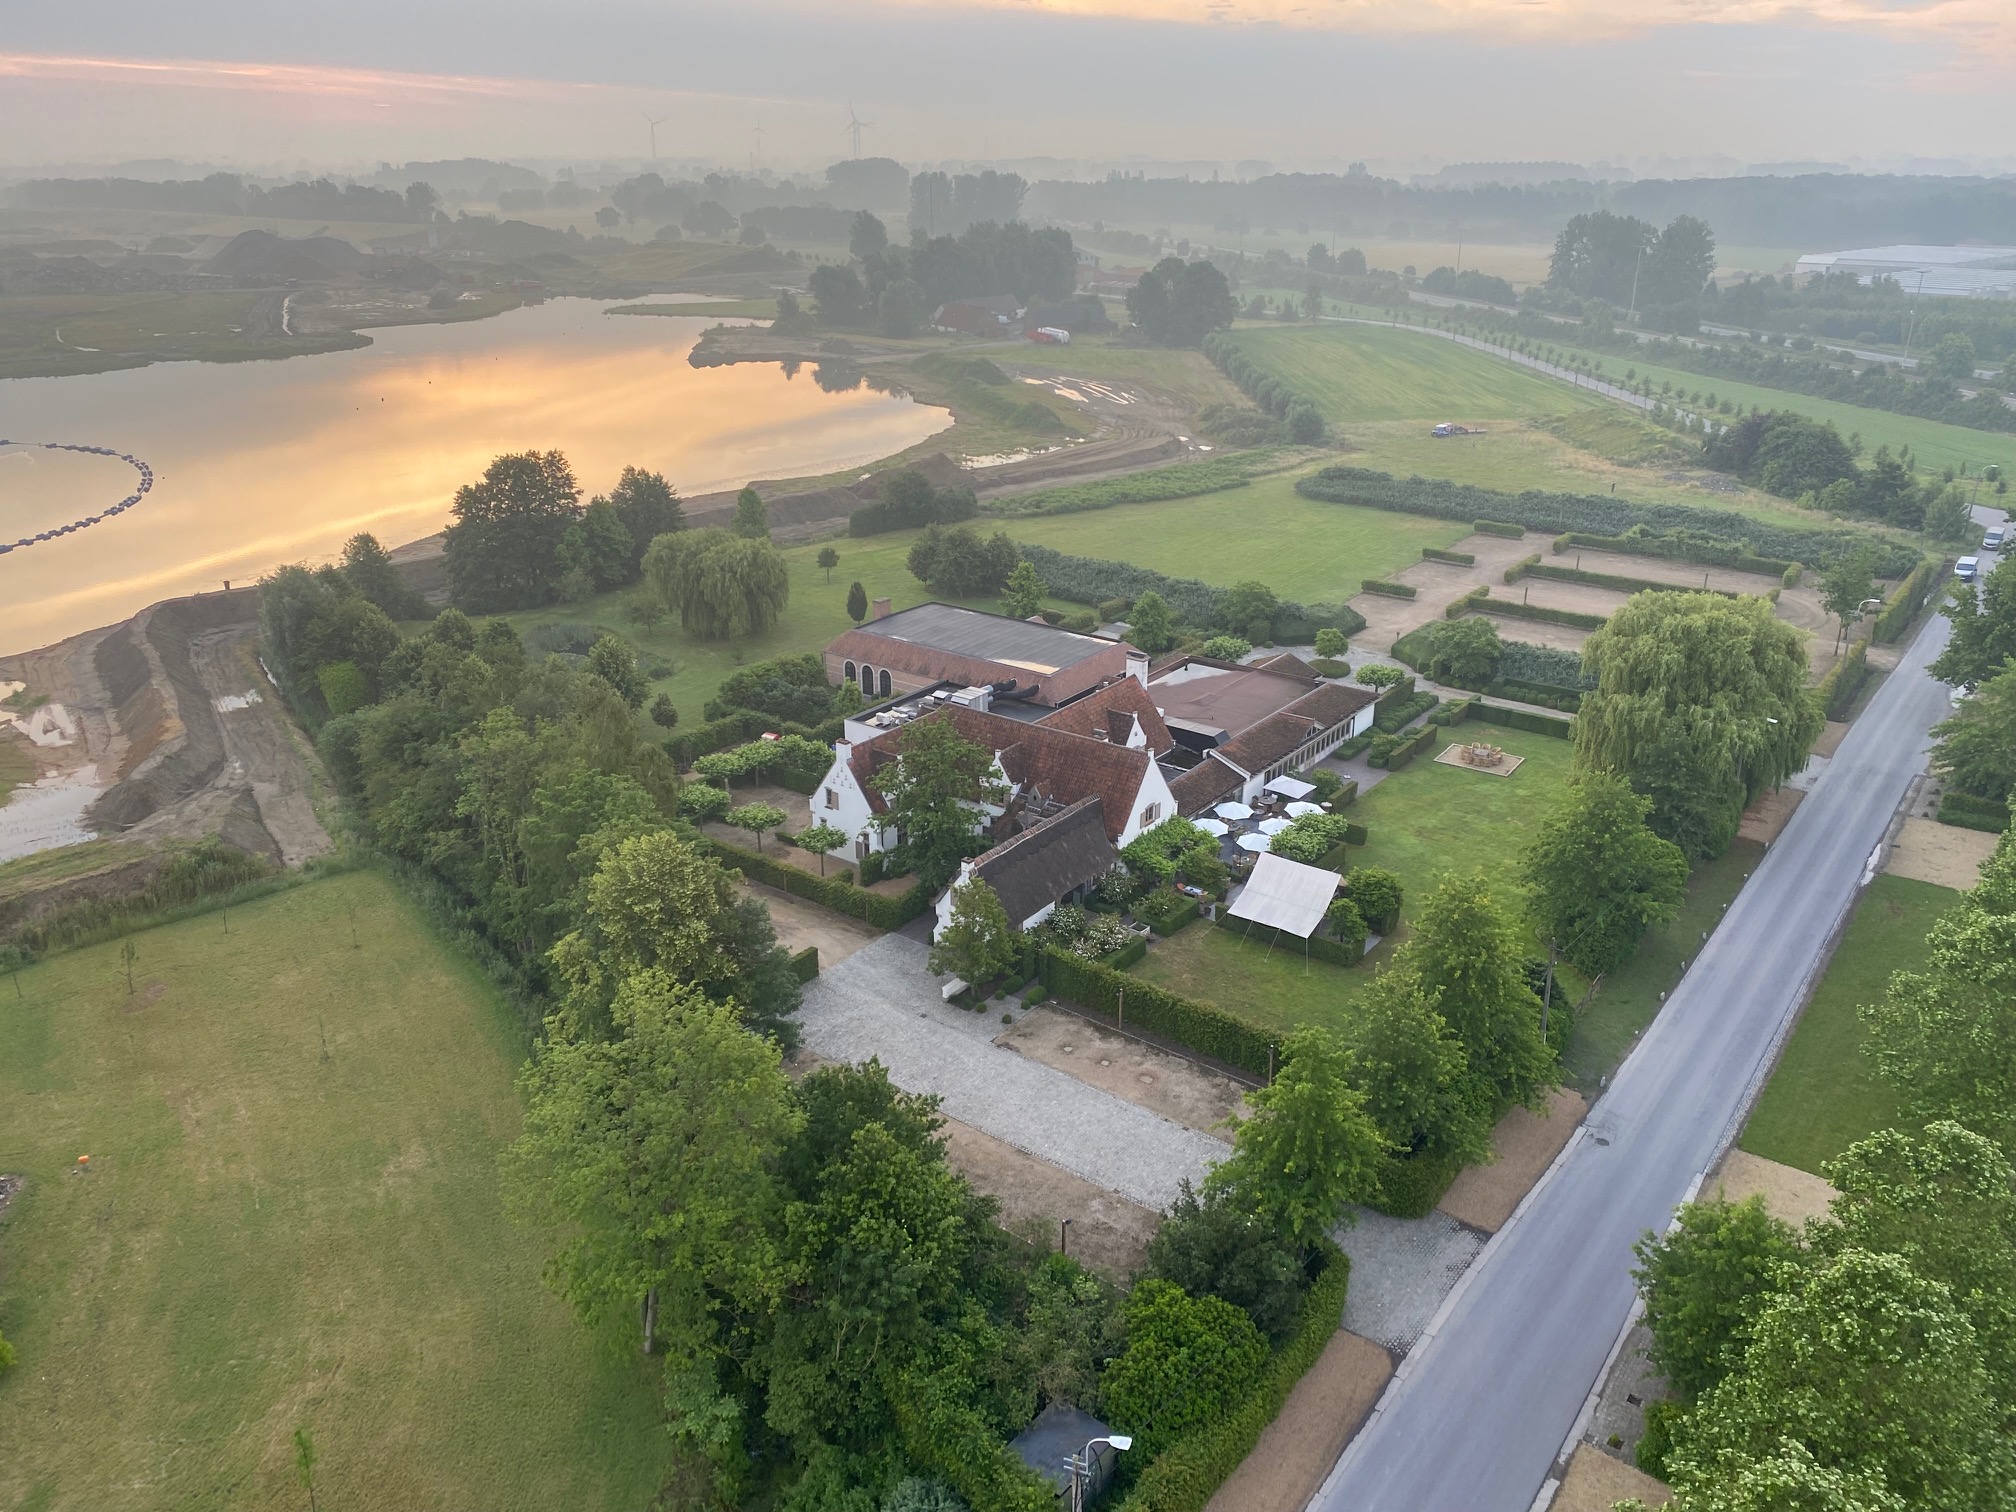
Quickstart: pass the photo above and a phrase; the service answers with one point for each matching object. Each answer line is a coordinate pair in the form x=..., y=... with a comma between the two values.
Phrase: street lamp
x=1079, y=1465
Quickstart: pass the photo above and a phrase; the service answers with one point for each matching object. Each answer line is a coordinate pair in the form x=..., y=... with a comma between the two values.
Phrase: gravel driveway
x=883, y=1001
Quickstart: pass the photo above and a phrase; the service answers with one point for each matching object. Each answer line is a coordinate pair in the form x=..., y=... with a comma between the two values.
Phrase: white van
x=1993, y=540
x=1966, y=567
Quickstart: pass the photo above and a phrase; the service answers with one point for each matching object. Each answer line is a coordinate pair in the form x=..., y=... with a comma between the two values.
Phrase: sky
x=1298, y=83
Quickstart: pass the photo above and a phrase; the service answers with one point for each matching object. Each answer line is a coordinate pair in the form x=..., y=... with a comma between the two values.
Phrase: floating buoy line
x=146, y=483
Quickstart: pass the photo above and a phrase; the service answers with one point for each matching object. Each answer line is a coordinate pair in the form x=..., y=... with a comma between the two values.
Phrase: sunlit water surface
x=260, y=463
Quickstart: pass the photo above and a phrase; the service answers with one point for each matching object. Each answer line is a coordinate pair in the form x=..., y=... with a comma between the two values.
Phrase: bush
x=1661, y=1417
x=1410, y=1187
x=1114, y=609
x=1483, y=603
x=1391, y=590
x=1793, y=572
x=1166, y=910
x=1398, y=750
x=1457, y=608
x=831, y=892
x=1522, y=662
x=1967, y=811
x=1597, y=515
x=1378, y=894
x=805, y=964
x=1092, y=581
x=1520, y=719
x=1835, y=693
x=1521, y=567
x=1452, y=713
x=1456, y=558
x=1187, y=1474
x=1202, y=1027
x=1904, y=601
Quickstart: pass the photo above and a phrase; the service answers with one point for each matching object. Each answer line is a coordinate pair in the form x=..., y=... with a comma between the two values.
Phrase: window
x=832, y=799
x=885, y=682
x=847, y=671
x=1150, y=814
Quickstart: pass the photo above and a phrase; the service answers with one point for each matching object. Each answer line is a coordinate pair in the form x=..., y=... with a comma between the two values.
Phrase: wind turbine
x=654, y=125
x=756, y=157
x=855, y=126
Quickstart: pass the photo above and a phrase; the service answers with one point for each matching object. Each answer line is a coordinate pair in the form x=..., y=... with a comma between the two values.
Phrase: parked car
x=1993, y=540
x=1966, y=567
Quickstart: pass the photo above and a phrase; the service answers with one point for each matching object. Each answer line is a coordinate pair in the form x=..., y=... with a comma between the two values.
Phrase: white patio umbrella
x=1216, y=827
x=1297, y=810
x=1233, y=810
x=1274, y=826
x=1253, y=842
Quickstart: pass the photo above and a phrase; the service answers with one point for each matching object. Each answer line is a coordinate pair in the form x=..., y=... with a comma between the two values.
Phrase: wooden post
x=1121, y=1009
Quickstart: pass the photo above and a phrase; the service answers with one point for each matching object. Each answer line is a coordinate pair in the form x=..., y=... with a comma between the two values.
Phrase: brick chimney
x=879, y=609
x=1137, y=666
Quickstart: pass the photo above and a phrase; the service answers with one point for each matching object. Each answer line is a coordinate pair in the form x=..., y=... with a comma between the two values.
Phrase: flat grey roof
x=988, y=637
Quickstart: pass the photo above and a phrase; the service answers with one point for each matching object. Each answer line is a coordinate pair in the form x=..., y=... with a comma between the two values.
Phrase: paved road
x=1479, y=1410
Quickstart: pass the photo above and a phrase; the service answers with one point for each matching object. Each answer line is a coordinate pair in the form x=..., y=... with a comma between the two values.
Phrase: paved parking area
x=883, y=1001
x=1401, y=1269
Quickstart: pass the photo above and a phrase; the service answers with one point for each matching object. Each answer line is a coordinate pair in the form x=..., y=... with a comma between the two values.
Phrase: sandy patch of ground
x=1765, y=818
x=1179, y=1090
x=1940, y=853
x=1298, y=1449
x=1595, y=1483
x=1524, y=1144
x=799, y=923
x=1831, y=735
x=1108, y=1233
x=1504, y=766
x=1788, y=1192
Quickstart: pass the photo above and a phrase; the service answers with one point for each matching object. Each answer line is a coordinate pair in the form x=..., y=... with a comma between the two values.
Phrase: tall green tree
x=1150, y=626
x=828, y=559
x=1464, y=651
x=1977, y=745
x=1984, y=628
x=1706, y=1282
x=1022, y=595
x=1700, y=702
x=598, y=545
x=857, y=602
x=1599, y=877
x=1468, y=950
x=1848, y=583
x=1189, y=1361
x=719, y=584
x=652, y=1156
x=1178, y=303
x=752, y=520
x=503, y=544
x=612, y=660
x=934, y=790
x=647, y=507
x=1309, y=1148
x=1209, y=1243
x=1413, y=1073
x=977, y=942
x=367, y=566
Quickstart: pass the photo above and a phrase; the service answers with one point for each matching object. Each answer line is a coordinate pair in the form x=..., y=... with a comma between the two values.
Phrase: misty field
x=291, y=1219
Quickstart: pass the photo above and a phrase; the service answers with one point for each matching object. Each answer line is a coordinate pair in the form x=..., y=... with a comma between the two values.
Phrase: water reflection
x=259, y=463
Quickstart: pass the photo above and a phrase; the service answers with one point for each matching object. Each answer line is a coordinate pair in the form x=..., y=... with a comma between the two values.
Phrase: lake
x=262, y=463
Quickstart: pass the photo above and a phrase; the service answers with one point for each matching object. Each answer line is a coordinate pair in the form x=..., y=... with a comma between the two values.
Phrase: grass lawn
x=1184, y=375
x=1933, y=443
x=292, y=1219
x=1270, y=989
x=1824, y=1095
x=1363, y=373
x=56, y=334
x=1629, y=999
x=1430, y=819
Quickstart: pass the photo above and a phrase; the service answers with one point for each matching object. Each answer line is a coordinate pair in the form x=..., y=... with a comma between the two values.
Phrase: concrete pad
x=1504, y=766
x=1321, y=1414
x=1154, y=1079
x=1108, y=1233
x=800, y=923
x=1943, y=854
x=1523, y=1145
x=1401, y=1269
x=1788, y=1192
x=1596, y=1482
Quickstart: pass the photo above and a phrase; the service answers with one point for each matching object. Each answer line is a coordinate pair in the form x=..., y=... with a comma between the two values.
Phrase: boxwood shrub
x=1481, y=527
x=1455, y=558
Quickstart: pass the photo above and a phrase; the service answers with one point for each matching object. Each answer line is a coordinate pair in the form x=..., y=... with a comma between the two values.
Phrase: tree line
x=894, y=288
x=231, y=194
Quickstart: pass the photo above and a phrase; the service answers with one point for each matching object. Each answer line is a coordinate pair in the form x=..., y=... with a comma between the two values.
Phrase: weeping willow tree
x=718, y=583
x=1701, y=703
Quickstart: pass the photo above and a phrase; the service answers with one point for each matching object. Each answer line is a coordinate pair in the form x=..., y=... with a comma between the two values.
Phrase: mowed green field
x=1935, y=445
x=292, y=1219
x=1824, y=1094
x=1361, y=373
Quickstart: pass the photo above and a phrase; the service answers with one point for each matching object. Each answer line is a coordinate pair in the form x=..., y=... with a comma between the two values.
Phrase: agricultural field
x=1933, y=443
x=45, y=334
x=1357, y=374
x=1824, y=1095
x=291, y=1220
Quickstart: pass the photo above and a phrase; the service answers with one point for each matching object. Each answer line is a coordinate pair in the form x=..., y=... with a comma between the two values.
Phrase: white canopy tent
x=1286, y=896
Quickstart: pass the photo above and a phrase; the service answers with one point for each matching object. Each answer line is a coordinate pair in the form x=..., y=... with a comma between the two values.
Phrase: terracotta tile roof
x=1041, y=865
x=1286, y=661
x=1259, y=746
x=1046, y=765
x=1203, y=785
x=1091, y=715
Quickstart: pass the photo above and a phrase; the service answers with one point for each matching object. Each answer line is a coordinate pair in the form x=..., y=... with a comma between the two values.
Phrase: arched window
x=849, y=671
x=885, y=682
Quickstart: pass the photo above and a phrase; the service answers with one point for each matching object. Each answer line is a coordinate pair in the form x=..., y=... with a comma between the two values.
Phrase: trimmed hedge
x=1835, y=692
x=1483, y=603
x=1792, y=575
x=1412, y=649
x=1411, y=1187
x=1403, y=748
x=1394, y=696
x=1453, y=713
x=1905, y=600
x=1455, y=558
x=1521, y=719
x=1522, y=662
x=1345, y=796
x=1969, y=812
x=1320, y=948
x=1182, y=480
x=1203, y=1027
x=1521, y=567
x=1618, y=582
x=830, y=892
x=1456, y=609
x=1092, y=581
x=1682, y=546
x=1127, y=954
x=1594, y=515
x=805, y=964
x=1481, y=527
x=1186, y=1475
x=1391, y=590
x=1167, y=921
